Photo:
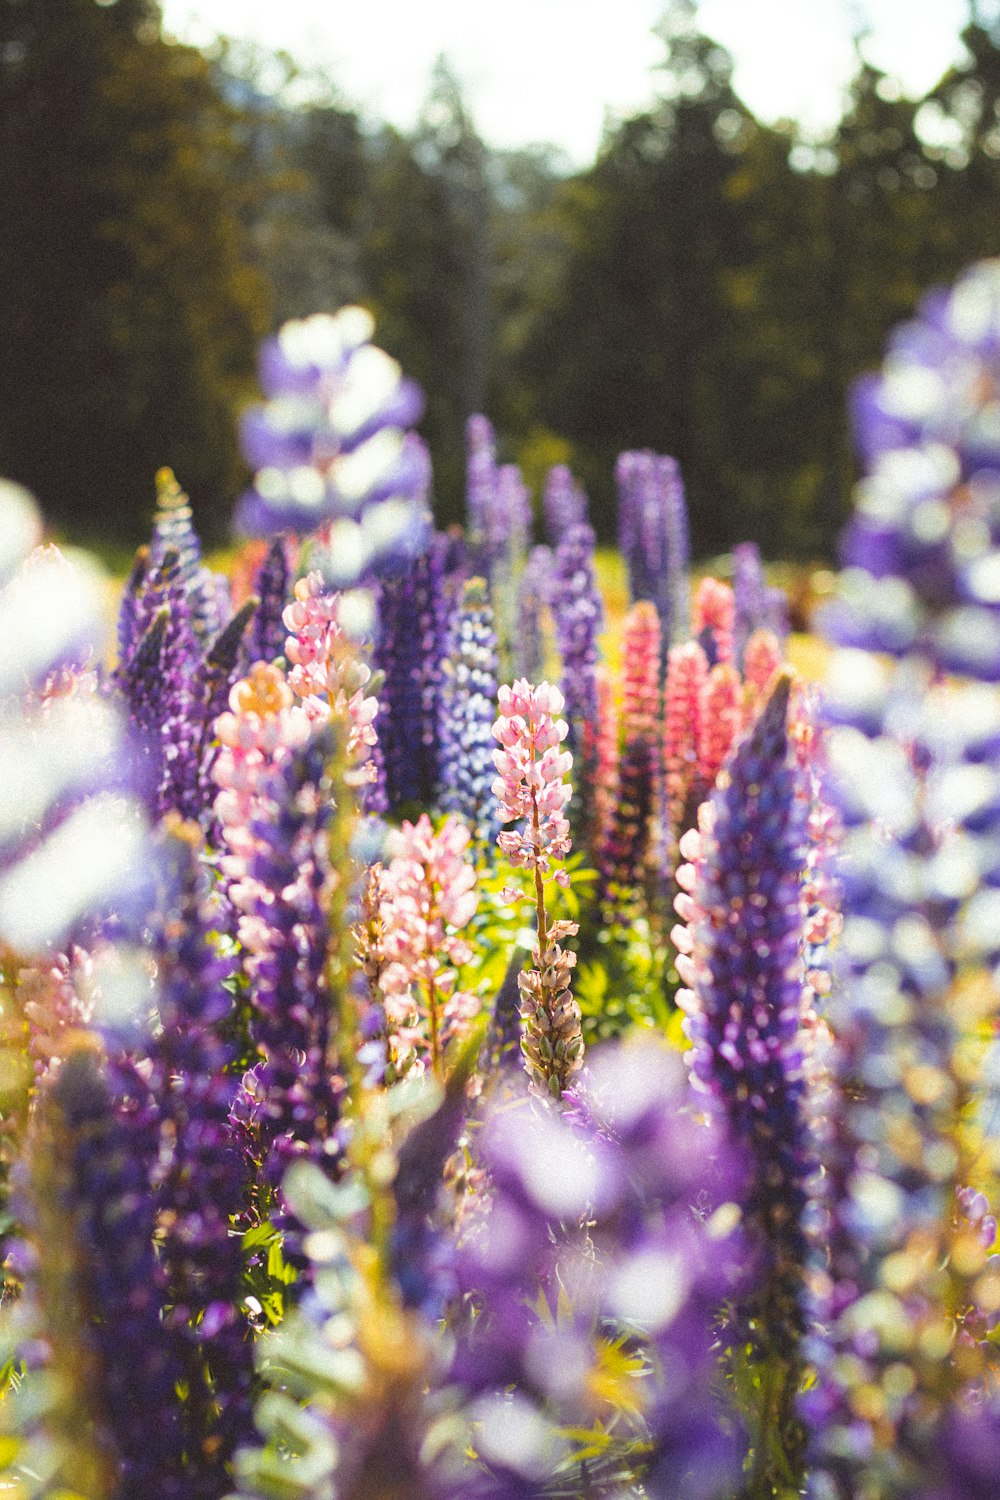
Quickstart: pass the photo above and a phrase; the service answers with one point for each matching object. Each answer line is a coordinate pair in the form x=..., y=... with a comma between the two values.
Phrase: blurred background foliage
x=709, y=287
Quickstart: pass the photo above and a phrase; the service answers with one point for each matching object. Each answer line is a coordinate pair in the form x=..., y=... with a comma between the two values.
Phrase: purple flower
x=741, y=958
x=329, y=447
x=653, y=537
x=202, y=1182
x=272, y=586
x=468, y=709
x=578, y=612
x=591, y=1211
x=105, y=1135
x=292, y=1019
x=532, y=596
x=563, y=502
x=409, y=646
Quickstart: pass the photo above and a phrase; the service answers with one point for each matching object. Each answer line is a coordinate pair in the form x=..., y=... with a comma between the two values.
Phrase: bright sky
x=551, y=70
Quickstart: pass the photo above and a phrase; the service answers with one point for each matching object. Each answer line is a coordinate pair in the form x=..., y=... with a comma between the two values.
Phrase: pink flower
x=326, y=674
x=426, y=895
x=713, y=610
x=531, y=769
x=721, y=720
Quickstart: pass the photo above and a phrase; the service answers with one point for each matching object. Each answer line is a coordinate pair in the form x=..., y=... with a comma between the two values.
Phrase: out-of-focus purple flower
x=591, y=1216
x=921, y=549
x=563, y=503
x=105, y=1137
x=73, y=840
x=750, y=606
x=913, y=761
x=201, y=1179
x=173, y=531
x=468, y=708
x=653, y=536
x=329, y=446
x=272, y=586
x=578, y=612
x=532, y=597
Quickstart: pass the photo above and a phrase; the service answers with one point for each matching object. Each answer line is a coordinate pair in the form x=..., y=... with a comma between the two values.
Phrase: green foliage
x=131, y=309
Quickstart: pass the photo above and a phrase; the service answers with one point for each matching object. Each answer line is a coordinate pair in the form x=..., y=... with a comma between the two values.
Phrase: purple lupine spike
x=653, y=536
x=631, y=1165
x=173, y=531
x=578, y=612
x=564, y=504
x=776, y=613
x=913, y=756
x=532, y=596
x=750, y=597
x=480, y=485
x=131, y=618
x=106, y=1136
x=291, y=1013
x=202, y=1180
x=468, y=709
x=740, y=955
x=412, y=621
x=265, y=640
x=329, y=448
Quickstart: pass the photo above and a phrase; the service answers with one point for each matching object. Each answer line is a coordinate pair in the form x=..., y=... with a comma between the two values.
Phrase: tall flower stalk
x=740, y=954
x=530, y=786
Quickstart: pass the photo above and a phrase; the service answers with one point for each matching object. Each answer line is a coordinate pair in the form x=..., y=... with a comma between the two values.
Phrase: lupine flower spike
x=740, y=954
x=530, y=786
x=427, y=894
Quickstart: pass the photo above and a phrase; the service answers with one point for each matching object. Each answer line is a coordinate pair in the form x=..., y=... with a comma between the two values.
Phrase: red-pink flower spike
x=713, y=609
x=687, y=673
x=721, y=720
x=606, y=760
x=626, y=853
x=761, y=660
x=530, y=785
x=427, y=894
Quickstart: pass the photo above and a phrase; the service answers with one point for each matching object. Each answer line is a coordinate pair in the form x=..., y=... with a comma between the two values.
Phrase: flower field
x=463, y=1043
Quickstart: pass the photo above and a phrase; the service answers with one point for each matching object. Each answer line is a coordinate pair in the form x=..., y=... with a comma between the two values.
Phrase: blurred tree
x=426, y=252
x=627, y=353
x=132, y=312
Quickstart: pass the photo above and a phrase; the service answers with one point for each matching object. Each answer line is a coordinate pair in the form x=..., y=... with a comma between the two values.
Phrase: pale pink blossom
x=327, y=675
x=426, y=895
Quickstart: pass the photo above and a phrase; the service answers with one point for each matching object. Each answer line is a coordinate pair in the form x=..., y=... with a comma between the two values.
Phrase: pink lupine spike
x=606, y=757
x=531, y=786
x=626, y=854
x=327, y=675
x=713, y=610
x=721, y=720
x=687, y=673
x=762, y=658
x=425, y=896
